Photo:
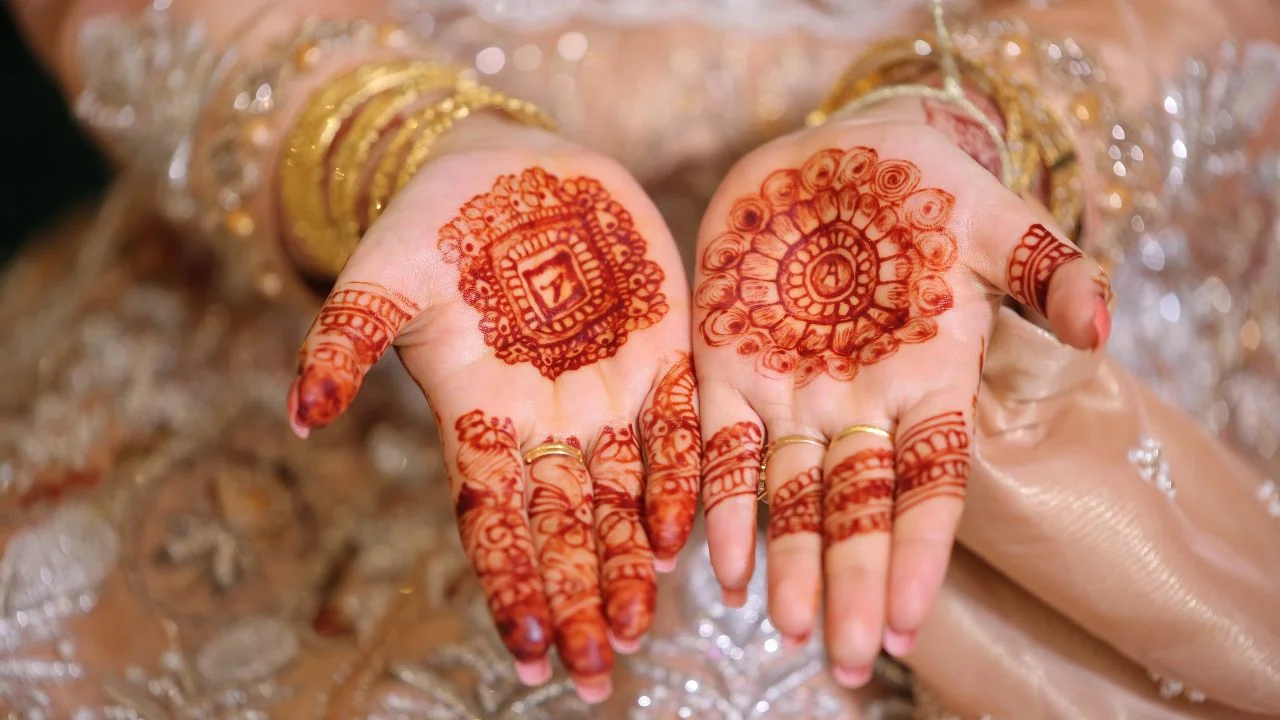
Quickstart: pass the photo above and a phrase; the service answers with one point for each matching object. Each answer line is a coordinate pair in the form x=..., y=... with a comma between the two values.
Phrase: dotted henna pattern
x=797, y=506
x=830, y=267
x=356, y=325
x=932, y=462
x=968, y=134
x=1032, y=264
x=673, y=443
x=561, y=516
x=859, y=497
x=556, y=270
x=626, y=563
x=489, y=500
x=731, y=464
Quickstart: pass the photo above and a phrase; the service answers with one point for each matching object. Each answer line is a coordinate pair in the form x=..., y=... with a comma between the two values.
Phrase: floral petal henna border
x=556, y=270
x=932, y=461
x=355, y=326
x=626, y=562
x=1032, y=264
x=673, y=447
x=489, y=501
x=731, y=464
x=830, y=267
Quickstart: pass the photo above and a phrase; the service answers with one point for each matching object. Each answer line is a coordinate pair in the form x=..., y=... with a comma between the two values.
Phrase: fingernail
x=1101, y=322
x=624, y=647
x=734, y=598
x=898, y=644
x=795, y=643
x=533, y=674
x=593, y=691
x=851, y=678
x=298, y=428
x=664, y=565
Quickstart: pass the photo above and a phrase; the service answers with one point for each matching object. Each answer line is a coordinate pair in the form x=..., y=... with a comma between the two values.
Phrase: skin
x=533, y=292
x=863, y=265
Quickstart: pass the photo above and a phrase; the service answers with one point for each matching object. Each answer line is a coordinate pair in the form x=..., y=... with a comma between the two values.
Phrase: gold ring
x=554, y=448
x=855, y=429
x=769, y=449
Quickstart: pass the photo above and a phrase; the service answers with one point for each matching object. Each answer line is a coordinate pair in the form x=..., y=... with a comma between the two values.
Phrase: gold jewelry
x=772, y=447
x=554, y=448
x=868, y=429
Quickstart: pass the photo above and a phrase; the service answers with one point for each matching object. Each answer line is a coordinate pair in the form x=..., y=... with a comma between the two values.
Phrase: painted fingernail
x=898, y=644
x=593, y=691
x=851, y=677
x=734, y=598
x=624, y=647
x=1101, y=322
x=664, y=565
x=533, y=674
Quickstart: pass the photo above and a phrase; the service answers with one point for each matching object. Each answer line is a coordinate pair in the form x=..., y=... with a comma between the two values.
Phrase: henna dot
x=895, y=179
x=930, y=295
x=929, y=208
x=781, y=188
x=808, y=369
x=937, y=250
x=841, y=368
x=819, y=170
x=779, y=360
x=917, y=330
x=725, y=325
x=857, y=166
x=749, y=214
x=878, y=349
x=719, y=290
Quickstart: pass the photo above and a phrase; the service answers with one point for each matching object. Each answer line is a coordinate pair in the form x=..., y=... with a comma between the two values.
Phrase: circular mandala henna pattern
x=556, y=270
x=831, y=267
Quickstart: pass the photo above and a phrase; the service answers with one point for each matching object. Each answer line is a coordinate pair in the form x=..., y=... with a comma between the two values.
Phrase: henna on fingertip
x=629, y=580
x=673, y=446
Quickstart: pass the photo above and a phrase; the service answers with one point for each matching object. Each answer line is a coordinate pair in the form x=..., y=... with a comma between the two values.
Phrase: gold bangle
x=365, y=131
x=762, y=494
x=546, y=449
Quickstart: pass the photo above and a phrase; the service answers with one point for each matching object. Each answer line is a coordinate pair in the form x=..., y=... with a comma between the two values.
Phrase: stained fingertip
x=302, y=431
x=899, y=644
x=592, y=690
x=792, y=642
x=318, y=398
x=851, y=678
x=533, y=673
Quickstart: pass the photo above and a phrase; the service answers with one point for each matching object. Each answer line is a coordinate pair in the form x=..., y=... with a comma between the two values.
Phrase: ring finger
x=793, y=481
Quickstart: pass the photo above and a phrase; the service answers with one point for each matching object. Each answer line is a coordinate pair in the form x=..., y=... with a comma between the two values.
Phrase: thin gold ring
x=554, y=448
x=868, y=429
x=769, y=449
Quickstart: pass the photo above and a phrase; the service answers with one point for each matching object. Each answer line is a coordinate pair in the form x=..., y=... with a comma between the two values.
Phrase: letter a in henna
x=356, y=325
x=1032, y=264
x=829, y=267
x=673, y=443
x=489, y=500
x=556, y=270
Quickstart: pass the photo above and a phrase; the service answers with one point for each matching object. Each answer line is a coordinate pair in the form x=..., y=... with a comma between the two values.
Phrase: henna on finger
x=932, y=461
x=731, y=464
x=556, y=270
x=626, y=562
x=356, y=325
x=673, y=442
x=859, y=499
x=560, y=515
x=829, y=267
x=1033, y=263
x=796, y=507
x=489, y=501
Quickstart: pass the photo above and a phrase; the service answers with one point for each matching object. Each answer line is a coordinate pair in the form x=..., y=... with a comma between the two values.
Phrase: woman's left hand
x=847, y=279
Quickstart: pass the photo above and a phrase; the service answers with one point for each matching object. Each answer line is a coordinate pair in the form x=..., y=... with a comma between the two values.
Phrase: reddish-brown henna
x=830, y=267
x=561, y=517
x=673, y=443
x=731, y=464
x=967, y=133
x=556, y=270
x=932, y=461
x=356, y=325
x=626, y=563
x=859, y=496
x=489, y=499
x=797, y=506
x=982, y=366
x=1034, y=260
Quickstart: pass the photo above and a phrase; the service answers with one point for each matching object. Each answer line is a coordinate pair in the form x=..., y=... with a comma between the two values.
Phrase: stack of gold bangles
x=1035, y=146
x=361, y=138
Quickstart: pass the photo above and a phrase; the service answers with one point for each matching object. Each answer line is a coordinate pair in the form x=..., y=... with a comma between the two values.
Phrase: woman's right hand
x=535, y=295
